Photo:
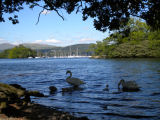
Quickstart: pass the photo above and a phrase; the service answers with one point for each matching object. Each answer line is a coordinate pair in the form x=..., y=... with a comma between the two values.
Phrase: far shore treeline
x=18, y=52
x=42, y=50
x=134, y=40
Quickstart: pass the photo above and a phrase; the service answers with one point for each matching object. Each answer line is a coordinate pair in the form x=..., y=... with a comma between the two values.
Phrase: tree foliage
x=136, y=39
x=106, y=14
x=18, y=52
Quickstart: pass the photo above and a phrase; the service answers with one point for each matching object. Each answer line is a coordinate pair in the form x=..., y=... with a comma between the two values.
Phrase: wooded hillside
x=135, y=39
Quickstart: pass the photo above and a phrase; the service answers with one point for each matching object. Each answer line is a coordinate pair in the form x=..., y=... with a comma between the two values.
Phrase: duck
x=128, y=85
x=73, y=81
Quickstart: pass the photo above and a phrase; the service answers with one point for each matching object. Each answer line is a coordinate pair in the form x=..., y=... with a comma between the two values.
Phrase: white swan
x=73, y=81
x=128, y=85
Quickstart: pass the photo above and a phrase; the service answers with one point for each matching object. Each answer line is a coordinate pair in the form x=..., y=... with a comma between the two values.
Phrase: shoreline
x=102, y=57
x=16, y=104
x=35, y=111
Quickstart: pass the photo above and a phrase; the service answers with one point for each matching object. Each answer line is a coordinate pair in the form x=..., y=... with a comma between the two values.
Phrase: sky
x=51, y=29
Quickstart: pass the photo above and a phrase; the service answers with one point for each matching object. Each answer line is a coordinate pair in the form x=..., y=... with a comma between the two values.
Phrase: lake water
x=91, y=100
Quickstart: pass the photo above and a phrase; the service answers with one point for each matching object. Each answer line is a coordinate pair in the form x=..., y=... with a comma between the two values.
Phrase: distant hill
x=80, y=46
x=5, y=46
x=50, y=50
x=35, y=46
x=78, y=49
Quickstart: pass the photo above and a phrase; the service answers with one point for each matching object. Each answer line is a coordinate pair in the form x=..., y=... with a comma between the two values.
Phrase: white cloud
x=11, y=42
x=45, y=12
x=38, y=41
x=51, y=41
x=2, y=40
x=87, y=40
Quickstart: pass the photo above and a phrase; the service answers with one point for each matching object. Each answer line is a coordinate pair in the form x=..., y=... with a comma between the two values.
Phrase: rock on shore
x=15, y=104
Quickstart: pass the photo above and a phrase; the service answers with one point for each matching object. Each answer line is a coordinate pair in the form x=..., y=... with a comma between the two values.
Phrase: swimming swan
x=128, y=85
x=73, y=81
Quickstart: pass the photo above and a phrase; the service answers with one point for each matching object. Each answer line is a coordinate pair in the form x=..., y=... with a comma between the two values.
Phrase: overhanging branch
x=39, y=16
x=53, y=9
x=59, y=14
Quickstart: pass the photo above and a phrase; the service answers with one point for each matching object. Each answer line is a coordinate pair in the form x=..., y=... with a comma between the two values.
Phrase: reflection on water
x=91, y=99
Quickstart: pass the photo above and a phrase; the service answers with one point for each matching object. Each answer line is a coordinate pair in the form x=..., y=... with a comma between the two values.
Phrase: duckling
x=52, y=89
x=106, y=88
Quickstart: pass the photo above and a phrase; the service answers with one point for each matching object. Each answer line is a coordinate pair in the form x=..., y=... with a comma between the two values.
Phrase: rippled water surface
x=90, y=99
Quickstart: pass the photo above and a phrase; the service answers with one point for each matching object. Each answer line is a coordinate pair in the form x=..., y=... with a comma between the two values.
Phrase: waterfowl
x=106, y=88
x=69, y=89
x=73, y=81
x=128, y=85
x=52, y=89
